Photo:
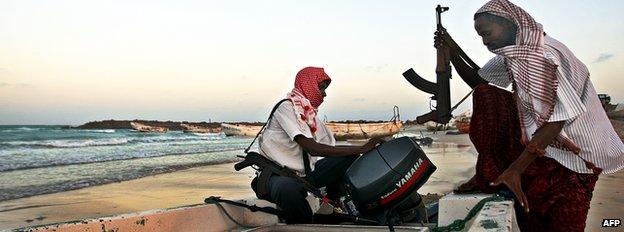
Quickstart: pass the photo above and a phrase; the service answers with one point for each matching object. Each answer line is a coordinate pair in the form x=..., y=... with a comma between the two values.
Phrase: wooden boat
x=344, y=131
x=210, y=217
x=463, y=125
x=145, y=128
x=240, y=129
x=462, y=122
x=188, y=128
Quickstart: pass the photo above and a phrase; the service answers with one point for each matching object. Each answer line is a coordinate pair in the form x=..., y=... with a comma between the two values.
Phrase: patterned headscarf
x=533, y=72
x=306, y=96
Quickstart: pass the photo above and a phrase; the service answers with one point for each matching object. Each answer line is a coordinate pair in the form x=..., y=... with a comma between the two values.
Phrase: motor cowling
x=387, y=177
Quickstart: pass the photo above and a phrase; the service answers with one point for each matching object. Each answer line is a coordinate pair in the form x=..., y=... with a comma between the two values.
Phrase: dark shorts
x=289, y=194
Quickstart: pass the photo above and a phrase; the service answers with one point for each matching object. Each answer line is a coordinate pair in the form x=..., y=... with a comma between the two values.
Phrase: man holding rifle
x=548, y=139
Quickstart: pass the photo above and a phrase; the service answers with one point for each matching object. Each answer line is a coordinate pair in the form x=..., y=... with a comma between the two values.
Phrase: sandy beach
x=453, y=155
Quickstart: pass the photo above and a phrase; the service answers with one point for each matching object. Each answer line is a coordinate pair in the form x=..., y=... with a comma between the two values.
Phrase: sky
x=70, y=62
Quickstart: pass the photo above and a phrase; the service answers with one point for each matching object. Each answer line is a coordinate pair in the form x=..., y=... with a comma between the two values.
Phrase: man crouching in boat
x=295, y=132
x=549, y=139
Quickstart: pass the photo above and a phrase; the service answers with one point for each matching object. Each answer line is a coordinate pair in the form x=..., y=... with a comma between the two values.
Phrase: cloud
x=603, y=57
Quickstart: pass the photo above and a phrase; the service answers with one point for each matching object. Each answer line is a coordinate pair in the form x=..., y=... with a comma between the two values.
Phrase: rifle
x=269, y=167
x=441, y=89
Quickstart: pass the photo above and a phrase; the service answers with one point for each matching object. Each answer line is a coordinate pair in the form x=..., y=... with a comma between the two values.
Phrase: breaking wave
x=69, y=143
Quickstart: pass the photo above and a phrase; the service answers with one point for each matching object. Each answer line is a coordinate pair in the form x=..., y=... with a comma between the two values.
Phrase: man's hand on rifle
x=443, y=39
x=438, y=40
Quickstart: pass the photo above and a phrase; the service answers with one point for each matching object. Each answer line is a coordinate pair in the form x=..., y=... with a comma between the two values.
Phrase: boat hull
x=145, y=128
x=240, y=129
x=345, y=131
x=341, y=131
x=187, y=128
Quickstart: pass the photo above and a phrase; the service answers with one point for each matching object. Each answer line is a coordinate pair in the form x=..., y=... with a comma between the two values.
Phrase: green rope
x=459, y=224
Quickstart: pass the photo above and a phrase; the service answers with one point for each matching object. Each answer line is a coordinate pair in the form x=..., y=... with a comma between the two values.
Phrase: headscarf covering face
x=306, y=96
x=532, y=71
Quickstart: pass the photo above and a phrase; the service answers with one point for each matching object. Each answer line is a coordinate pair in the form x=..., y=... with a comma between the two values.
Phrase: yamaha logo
x=405, y=178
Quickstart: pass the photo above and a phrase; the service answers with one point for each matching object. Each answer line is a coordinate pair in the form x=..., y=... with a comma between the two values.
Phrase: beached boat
x=462, y=122
x=344, y=131
x=240, y=129
x=145, y=128
x=463, y=125
x=188, y=128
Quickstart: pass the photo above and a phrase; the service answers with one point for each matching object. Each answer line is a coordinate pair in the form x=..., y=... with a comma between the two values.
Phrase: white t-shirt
x=277, y=141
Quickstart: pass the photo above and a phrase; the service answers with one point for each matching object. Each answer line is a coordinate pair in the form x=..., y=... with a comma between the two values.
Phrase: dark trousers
x=290, y=195
x=558, y=197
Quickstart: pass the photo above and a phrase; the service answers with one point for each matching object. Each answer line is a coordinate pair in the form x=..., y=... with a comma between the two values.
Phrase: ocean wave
x=210, y=135
x=101, y=131
x=179, y=138
x=104, y=159
x=20, y=129
x=69, y=143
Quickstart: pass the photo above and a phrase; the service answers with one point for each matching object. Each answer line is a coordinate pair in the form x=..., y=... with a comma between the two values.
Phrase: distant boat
x=145, y=128
x=434, y=126
x=344, y=131
x=240, y=129
x=463, y=125
x=188, y=128
x=462, y=122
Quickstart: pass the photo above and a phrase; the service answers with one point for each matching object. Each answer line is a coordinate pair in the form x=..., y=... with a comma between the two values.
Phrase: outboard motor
x=382, y=183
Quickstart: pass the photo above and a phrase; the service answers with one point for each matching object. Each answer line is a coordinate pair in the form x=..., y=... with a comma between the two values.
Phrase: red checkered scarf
x=306, y=96
x=533, y=72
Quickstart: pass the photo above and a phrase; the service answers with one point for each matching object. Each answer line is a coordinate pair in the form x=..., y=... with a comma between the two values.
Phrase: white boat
x=145, y=128
x=188, y=128
x=240, y=129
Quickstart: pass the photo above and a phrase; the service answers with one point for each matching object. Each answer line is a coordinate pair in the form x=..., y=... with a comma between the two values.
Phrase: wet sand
x=179, y=188
x=452, y=154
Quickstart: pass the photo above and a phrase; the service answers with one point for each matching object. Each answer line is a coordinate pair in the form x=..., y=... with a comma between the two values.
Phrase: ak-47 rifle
x=441, y=89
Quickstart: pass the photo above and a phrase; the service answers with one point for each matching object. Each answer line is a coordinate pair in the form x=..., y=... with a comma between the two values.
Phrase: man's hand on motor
x=371, y=144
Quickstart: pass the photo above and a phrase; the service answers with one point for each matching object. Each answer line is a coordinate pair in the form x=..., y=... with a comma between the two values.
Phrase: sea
x=38, y=160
